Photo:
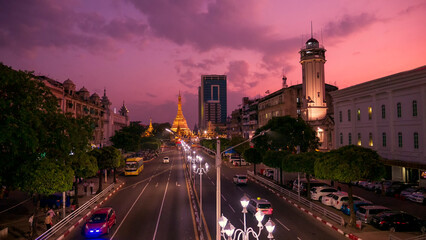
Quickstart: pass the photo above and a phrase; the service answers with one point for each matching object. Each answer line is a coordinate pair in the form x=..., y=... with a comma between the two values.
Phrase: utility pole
x=218, y=190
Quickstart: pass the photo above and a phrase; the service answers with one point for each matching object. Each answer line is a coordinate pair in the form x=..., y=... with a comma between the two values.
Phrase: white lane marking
x=161, y=208
x=223, y=198
x=241, y=221
x=240, y=189
x=156, y=185
x=177, y=184
x=284, y=226
x=231, y=208
x=299, y=238
x=140, y=194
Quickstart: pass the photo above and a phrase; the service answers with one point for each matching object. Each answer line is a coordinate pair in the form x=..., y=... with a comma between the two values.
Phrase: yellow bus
x=133, y=166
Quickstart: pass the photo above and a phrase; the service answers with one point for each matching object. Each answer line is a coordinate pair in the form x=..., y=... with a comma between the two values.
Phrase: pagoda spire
x=179, y=124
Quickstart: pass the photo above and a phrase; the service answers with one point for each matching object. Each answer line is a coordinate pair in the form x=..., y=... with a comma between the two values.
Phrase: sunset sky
x=143, y=52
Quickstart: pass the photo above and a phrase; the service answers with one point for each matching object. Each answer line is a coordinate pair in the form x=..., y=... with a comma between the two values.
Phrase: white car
x=166, y=160
x=418, y=196
x=344, y=199
x=318, y=192
x=240, y=179
x=326, y=200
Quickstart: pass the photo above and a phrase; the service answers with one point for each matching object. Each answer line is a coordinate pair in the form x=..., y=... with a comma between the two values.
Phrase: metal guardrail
x=65, y=221
x=303, y=201
x=421, y=237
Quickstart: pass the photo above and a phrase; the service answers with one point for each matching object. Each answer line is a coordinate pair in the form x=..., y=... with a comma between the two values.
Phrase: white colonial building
x=388, y=115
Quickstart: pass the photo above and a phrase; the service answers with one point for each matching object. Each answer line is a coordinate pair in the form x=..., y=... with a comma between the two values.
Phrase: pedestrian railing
x=65, y=221
x=301, y=200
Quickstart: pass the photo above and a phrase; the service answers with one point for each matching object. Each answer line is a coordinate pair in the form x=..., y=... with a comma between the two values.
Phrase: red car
x=100, y=223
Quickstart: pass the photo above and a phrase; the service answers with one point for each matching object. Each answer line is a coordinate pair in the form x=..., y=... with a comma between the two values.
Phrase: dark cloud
x=27, y=25
x=151, y=95
x=190, y=71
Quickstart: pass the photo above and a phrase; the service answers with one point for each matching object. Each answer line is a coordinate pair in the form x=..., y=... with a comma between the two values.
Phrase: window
x=370, y=139
x=358, y=115
x=370, y=113
x=341, y=138
x=215, y=92
x=400, y=139
x=384, y=139
x=359, y=139
x=414, y=108
x=383, y=112
x=350, y=138
x=317, y=74
x=298, y=100
x=398, y=110
x=416, y=140
x=340, y=116
x=349, y=115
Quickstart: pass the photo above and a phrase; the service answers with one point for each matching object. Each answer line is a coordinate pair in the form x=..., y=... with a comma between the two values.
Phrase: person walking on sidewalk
x=91, y=185
x=48, y=221
x=85, y=184
x=30, y=221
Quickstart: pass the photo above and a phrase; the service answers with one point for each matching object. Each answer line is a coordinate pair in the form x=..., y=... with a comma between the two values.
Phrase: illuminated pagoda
x=179, y=125
x=148, y=132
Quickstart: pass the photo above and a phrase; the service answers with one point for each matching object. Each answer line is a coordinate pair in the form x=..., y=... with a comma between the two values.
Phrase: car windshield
x=130, y=165
x=98, y=218
x=242, y=177
x=264, y=205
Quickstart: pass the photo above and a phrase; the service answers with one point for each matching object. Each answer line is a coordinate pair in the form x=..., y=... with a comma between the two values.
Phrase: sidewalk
x=18, y=207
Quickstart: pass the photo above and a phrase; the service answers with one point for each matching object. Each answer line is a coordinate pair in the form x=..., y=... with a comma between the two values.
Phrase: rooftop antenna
x=322, y=40
x=312, y=35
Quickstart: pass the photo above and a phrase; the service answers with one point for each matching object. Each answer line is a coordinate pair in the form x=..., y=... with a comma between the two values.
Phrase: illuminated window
x=398, y=110
x=416, y=140
x=414, y=108
x=341, y=138
x=350, y=138
x=349, y=115
x=340, y=116
x=383, y=112
x=359, y=139
x=358, y=114
x=384, y=139
x=400, y=139
x=370, y=141
x=370, y=113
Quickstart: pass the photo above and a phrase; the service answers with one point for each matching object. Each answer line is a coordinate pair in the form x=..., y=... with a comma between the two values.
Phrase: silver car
x=366, y=213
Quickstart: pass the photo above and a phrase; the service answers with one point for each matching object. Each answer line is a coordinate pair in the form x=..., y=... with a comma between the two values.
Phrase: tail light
x=257, y=209
x=382, y=222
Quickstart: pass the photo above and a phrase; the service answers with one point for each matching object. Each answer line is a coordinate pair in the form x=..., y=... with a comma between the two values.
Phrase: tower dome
x=69, y=86
x=95, y=98
x=312, y=43
x=84, y=93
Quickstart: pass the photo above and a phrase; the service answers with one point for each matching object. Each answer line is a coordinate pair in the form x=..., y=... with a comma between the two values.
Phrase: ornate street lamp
x=200, y=171
x=228, y=231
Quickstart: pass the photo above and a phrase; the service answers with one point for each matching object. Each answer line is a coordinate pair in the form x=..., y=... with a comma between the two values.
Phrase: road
x=156, y=205
x=153, y=205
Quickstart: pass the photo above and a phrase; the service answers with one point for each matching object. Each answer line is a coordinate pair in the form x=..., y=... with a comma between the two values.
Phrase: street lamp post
x=200, y=171
x=243, y=234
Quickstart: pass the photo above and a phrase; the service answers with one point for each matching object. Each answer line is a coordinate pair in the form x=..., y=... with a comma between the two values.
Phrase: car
x=395, y=190
x=408, y=191
x=240, y=179
x=240, y=162
x=261, y=204
x=418, y=196
x=398, y=221
x=100, y=222
x=357, y=203
x=54, y=201
x=166, y=160
x=269, y=173
x=366, y=213
x=318, y=192
x=326, y=200
x=304, y=185
x=338, y=201
x=234, y=158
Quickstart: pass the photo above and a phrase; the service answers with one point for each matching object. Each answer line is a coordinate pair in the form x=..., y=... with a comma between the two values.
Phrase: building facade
x=80, y=103
x=212, y=101
x=387, y=115
x=249, y=110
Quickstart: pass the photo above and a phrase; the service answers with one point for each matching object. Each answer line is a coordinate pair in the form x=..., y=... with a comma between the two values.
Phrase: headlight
x=87, y=227
x=103, y=226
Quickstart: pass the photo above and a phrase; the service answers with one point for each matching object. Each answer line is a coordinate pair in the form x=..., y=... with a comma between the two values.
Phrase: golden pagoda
x=148, y=132
x=179, y=124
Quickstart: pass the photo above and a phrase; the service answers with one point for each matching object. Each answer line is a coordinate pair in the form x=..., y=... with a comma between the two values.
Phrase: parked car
x=234, y=158
x=240, y=162
x=363, y=184
x=328, y=199
x=318, y=192
x=269, y=173
x=100, y=222
x=398, y=221
x=240, y=179
x=365, y=213
x=256, y=204
x=357, y=203
x=418, y=196
x=338, y=201
x=408, y=191
x=304, y=185
x=54, y=201
x=395, y=190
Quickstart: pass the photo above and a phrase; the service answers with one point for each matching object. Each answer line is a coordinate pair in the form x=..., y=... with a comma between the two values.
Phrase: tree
x=303, y=162
x=274, y=159
x=84, y=166
x=235, y=140
x=129, y=138
x=107, y=158
x=252, y=155
x=347, y=164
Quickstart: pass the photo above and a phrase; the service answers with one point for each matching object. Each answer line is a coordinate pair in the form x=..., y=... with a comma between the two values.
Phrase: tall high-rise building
x=212, y=101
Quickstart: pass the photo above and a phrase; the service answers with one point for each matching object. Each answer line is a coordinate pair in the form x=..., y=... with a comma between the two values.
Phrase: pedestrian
x=91, y=185
x=30, y=221
x=51, y=213
x=48, y=221
x=85, y=184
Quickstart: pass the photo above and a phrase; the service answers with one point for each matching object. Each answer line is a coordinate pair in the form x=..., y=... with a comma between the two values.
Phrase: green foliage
x=107, y=157
x=252, y=155
x=84, y=165
x=235, y=140
x=150, y=146
x=129, y=138
x=160, y=130
x=303, y=162
x=274, y=159
x=350, y=163
x=286, y=133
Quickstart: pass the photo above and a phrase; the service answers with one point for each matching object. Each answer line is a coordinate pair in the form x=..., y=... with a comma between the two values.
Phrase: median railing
x=65, y=221
x=301, y=200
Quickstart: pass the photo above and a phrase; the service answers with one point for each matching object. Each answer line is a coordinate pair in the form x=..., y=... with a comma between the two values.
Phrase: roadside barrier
x=65, y=221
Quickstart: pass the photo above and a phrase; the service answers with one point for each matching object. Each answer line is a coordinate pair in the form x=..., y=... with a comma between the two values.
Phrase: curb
x=88, y=214
x=348, y=235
